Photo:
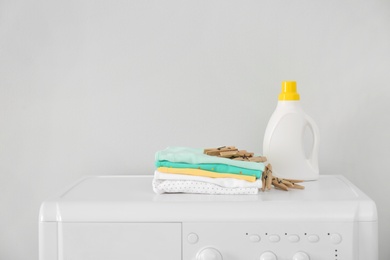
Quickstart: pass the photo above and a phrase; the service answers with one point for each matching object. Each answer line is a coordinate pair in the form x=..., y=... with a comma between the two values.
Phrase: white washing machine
x=121, y=218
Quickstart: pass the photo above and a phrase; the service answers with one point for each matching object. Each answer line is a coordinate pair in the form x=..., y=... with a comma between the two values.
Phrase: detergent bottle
x=284, y=138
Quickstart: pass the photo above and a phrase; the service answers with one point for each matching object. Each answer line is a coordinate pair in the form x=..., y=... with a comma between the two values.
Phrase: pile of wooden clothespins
x=231, y=152
x=267, y=180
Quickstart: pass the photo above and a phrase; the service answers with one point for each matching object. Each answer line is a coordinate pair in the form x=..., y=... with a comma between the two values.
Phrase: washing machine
x=121, y=218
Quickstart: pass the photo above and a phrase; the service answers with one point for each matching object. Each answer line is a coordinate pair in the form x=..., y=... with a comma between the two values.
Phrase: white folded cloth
x=177, y=183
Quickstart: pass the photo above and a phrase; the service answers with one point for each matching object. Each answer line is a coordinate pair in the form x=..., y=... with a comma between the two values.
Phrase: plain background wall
x=97, y=87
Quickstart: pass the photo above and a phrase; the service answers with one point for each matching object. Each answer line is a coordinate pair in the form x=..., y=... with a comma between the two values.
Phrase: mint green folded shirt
x=212, y=167
x=196, y=156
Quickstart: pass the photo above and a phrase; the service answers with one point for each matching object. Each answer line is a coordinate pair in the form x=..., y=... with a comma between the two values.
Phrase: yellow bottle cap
x=289, y=91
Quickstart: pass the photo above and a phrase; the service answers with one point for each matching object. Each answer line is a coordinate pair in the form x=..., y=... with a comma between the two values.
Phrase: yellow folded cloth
x=198, y=172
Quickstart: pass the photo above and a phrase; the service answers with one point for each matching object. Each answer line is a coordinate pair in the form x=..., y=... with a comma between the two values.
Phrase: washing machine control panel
x=268, y=241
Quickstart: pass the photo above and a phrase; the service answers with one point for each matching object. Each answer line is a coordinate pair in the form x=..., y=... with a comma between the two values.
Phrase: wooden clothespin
x=266, y=178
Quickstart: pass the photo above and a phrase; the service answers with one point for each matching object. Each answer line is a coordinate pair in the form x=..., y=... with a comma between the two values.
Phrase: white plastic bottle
x=283, y=143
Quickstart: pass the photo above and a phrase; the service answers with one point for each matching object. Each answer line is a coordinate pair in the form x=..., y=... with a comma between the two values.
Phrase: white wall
x=97, y=87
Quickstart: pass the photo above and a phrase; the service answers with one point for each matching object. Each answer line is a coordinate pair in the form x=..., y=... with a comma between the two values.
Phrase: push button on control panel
x=254, y=238
x=335, y=238
x=313, y=238
x=192, y=238
x=293, y=238
x=274, y=238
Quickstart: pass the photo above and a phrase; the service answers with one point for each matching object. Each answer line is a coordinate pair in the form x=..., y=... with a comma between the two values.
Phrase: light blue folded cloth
x=196, y=156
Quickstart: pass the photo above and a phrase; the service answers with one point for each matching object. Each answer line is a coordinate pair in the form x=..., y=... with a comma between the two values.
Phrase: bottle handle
x=316, y=135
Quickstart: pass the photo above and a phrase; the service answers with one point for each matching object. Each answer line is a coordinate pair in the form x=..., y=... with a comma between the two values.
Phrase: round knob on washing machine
x=209, y=253
x=301, y=256
x=268, y=256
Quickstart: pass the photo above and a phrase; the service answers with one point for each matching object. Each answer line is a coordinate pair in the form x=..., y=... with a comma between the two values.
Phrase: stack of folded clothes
x=190, y=170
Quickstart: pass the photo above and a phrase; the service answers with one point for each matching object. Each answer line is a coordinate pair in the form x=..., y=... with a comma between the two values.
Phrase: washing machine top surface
x=131, y=199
